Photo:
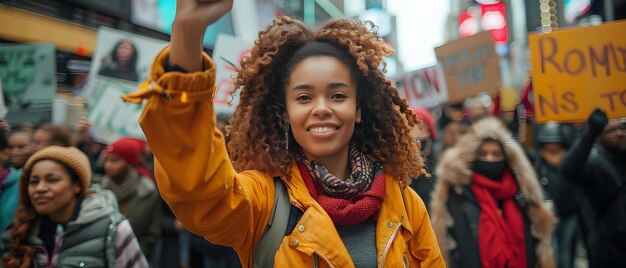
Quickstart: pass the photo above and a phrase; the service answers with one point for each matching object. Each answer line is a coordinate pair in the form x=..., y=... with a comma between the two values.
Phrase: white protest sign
x=121, y=61
x=424, y=88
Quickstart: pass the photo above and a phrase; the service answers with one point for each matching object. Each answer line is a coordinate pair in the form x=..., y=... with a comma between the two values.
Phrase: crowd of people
x=367, y=181
x=62, y=192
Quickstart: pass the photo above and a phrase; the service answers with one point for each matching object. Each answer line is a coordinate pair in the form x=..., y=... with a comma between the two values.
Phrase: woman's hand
x=192, y=19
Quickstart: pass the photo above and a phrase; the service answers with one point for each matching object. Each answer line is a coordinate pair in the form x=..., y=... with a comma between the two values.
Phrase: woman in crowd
x=21, y=148
x=486, y=202
x=316, y=112
x=136, y=194
x=61, y=222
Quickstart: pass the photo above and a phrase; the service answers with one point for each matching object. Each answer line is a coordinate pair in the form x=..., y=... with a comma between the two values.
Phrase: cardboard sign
x=470, y=66
x=577, y=70
x=121, y=61
x=28, y=75
x=424, y=88
x=228, y=53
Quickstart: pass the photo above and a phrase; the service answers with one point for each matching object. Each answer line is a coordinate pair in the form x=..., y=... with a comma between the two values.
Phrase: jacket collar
x=394, y=208
x=95, y=206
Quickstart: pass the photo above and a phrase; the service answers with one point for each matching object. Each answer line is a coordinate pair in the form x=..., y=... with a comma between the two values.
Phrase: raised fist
x=597, y=121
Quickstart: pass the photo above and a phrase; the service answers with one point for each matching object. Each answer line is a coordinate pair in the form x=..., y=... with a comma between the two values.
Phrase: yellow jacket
x=197, y=180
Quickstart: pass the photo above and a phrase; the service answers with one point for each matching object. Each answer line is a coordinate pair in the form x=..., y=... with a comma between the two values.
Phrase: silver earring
x=287, y=138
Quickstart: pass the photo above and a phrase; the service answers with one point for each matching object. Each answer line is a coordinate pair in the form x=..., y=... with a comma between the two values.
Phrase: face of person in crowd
x=490, y=160
x=476, y=111
x=20, y=149
x=552, y=153
x=451, y=134
x=322, y=108
x=614, y=136
x=490, y=151
x=454, y=114
x=124, y=52
x=115, y=166
x=41, y=139
x=51, y=190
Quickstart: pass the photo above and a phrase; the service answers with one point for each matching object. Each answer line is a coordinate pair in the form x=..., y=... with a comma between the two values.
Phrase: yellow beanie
x=70, y=156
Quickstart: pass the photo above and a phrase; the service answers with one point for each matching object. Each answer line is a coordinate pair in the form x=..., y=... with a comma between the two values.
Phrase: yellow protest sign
x=579, y=69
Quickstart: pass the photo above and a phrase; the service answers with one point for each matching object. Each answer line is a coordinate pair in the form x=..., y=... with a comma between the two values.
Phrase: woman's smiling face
x=321, y=105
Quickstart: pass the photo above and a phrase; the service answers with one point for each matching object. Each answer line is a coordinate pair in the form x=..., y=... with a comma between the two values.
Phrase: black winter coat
x=466, y=214
x=590, y=178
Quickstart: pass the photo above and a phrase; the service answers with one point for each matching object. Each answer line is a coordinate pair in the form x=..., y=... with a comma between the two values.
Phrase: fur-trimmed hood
x=454, y=170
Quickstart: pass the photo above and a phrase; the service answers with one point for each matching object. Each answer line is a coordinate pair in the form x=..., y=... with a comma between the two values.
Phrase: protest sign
x=571, y=78
x=228, y=53
x=424, y=88
x=28, y=75
x=470, y=66
x=121, y=61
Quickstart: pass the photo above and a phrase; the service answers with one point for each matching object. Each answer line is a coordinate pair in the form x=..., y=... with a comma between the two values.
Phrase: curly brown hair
x=21, y=250
x=257, y=131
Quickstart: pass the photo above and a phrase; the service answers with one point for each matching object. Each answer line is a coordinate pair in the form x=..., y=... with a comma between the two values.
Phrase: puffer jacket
x=142, y=210
x=197, y=180
x=98, y=237
x=455, y=212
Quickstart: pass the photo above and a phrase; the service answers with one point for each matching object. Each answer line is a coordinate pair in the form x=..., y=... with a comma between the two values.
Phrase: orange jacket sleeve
x=193, y=172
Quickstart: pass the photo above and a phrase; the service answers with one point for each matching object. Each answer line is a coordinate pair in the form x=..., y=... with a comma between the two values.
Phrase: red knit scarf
x=356, y=209
x=500, y=232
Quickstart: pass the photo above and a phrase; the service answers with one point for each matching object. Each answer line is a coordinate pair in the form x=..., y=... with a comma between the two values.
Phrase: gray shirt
x=360, y=240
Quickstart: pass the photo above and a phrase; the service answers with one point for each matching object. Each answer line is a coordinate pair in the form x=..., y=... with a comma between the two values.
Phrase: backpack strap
x=276, y=227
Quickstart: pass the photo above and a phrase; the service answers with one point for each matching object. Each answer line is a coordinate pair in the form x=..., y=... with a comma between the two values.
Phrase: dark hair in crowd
x=258, y=131
x=4, y=142
x=58, y=135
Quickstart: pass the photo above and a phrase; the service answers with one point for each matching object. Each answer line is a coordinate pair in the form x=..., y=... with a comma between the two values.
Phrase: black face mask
x=492, y=170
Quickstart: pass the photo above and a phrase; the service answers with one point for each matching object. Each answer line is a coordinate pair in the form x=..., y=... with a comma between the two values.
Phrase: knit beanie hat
x=428, y=119
x=70, y=156
x=126, y=148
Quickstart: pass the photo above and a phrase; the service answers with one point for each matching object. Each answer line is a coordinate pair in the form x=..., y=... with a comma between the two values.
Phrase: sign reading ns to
x=580, y=69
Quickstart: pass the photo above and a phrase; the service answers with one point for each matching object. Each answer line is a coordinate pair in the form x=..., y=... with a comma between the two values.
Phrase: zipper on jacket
x=388, y=246
x=316, y=262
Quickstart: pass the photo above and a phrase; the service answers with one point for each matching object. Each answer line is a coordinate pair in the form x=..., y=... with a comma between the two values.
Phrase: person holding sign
x=593, y=185
x=487, y=200
x=317, y=115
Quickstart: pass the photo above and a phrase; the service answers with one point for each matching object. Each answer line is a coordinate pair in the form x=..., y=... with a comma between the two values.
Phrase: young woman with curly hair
x=61, y=222
x=315, y=110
